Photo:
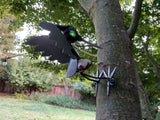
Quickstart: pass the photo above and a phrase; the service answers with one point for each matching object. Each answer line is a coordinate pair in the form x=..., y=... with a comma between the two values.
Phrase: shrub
x=61, y=100
x=70, y=102
x=38, y=96
x=155, y=110
x=24, y=77
x=157, y=116
x=83, y=88
x=20, y=96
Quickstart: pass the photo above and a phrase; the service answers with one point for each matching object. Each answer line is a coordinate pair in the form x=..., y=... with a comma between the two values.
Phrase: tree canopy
x=6, y=36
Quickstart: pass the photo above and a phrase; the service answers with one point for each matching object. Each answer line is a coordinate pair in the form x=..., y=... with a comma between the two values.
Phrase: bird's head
x=72, y=35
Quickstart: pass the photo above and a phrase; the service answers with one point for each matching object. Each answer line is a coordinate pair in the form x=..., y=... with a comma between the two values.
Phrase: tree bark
x=123, y=102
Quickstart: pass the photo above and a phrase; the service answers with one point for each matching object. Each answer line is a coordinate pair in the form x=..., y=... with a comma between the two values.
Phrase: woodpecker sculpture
x=58, y=46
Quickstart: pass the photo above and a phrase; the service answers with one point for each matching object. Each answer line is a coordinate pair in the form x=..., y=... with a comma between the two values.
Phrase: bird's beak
x=90, y=43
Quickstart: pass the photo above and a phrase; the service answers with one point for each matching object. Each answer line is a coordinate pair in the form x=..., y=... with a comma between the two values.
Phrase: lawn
x=13, y=109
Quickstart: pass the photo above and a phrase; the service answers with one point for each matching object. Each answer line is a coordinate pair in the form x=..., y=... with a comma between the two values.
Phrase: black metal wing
x=49, y=48
x=59, y=39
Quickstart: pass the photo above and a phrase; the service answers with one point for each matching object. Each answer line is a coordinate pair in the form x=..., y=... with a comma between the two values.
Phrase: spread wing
x=59, y=39
x=49, y=48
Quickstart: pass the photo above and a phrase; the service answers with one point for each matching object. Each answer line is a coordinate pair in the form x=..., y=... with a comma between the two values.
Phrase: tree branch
x=85, y=4
x=84, y=51
x=148, y=55
x=81, y=8
x=135, y=19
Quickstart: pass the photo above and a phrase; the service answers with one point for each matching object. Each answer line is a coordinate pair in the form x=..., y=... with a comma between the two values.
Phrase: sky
x=26, y=31
x=29, y=31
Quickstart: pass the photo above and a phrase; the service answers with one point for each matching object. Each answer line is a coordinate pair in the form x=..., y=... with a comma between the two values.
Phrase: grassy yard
x=13, y=109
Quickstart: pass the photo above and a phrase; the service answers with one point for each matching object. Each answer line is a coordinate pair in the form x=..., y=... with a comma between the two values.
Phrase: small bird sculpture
x=5, y=59
x=58, y=46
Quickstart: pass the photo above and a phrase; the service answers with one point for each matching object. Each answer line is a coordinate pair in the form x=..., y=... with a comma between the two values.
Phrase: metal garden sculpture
x=6, y=58
x=58, y=47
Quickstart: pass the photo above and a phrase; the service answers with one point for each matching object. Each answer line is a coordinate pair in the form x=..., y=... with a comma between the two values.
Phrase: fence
x=6, y=88
x=57, y=89
x=61, y=89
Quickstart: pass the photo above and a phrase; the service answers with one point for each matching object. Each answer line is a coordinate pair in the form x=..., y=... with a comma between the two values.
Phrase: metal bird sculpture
x=6, y=58
x=58, y=46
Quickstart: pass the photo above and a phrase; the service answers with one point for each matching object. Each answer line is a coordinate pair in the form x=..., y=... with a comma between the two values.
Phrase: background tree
x=6, y=36
x=6, y=42
x=146, y=52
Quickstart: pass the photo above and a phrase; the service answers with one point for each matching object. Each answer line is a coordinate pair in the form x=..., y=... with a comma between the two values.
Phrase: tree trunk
x=123, y=102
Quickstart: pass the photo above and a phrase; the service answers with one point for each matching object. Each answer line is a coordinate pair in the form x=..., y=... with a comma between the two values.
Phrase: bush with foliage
x=20, y=96
x=25, y=78
x=83, y=88
x=67, y=101
x=38, y=96
x=3, y=74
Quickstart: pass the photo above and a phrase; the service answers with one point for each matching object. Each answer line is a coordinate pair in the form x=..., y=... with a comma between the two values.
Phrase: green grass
x=13, y=109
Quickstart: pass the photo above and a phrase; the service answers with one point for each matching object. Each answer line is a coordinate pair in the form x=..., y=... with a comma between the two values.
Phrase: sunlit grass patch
x=13, y=109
